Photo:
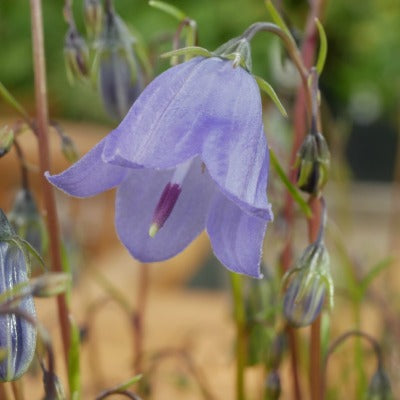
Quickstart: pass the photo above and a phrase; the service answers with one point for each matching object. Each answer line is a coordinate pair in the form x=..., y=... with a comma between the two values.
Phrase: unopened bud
x=93, y=14
x=17, y=335
x=26, y=220
x=379, y=387
x=50, y=284
x=276, y=351
x=272, y=386
x=76, y=54
x=310, y=281
x=6, y=140
x=313, y=159
x=68, y=148
x=121, y=77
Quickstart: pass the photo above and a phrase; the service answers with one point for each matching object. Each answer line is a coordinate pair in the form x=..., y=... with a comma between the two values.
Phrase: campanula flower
x=17, y=336
x=190, y=154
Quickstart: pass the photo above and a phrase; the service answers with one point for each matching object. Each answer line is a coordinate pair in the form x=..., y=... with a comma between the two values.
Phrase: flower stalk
x=42, y=128
x=240, y=321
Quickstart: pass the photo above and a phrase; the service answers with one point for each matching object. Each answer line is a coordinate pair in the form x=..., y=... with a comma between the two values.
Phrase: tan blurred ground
x=177, y=318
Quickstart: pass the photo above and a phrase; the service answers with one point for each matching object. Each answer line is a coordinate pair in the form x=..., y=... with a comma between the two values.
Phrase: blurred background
x=188, y=308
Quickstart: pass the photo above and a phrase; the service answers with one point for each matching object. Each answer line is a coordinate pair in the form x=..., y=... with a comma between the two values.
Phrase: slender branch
x=239, y=312
x=111, y=392
x=138, y=316
x=22, y=162
x=17, y=389
x=199, y=377
x=44, y=157
x=299, y=120
x=335, y=344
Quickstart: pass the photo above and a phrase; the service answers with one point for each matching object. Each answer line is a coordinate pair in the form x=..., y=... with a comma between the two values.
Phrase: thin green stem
x=239, y=315
x=42, y=128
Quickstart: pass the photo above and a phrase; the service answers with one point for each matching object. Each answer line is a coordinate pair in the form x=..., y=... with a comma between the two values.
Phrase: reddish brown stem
x=44, y=161
x=308, y=51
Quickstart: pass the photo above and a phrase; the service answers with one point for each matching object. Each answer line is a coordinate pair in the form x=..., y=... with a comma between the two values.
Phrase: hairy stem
x=239, y=315
x=44, y=160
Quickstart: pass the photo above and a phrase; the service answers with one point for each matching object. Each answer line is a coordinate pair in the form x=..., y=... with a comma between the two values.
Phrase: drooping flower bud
x=272, y=386
x=6, y=140
x=17, y=335
x=26, y=220
x=93, y=14
x=121, y=78
x=276, y=351
x=76, y=54
x=310, y=281
x=379, y=387
x=68, y=148
x=313, y=159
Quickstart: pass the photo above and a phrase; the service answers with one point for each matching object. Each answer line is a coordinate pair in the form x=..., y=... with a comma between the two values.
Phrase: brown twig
x=44, y=159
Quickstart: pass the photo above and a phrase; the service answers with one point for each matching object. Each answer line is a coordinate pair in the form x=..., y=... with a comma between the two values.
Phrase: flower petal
x=238, y=160
x=90, y=175
x=181, y=108
x=137, y=198
x=236, y=236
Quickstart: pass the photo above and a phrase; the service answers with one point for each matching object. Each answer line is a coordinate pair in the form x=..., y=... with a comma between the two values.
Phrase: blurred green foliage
x=361, y=79
x=363, y=43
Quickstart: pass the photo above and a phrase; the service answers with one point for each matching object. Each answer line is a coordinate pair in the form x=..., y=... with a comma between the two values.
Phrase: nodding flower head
x=313, y=159
x=190, y=154
x=310, y=282
x=26, y=220
x=379, y=387
x=76, y=54
x=121, y=78
x=93, y=14
x=17, y=335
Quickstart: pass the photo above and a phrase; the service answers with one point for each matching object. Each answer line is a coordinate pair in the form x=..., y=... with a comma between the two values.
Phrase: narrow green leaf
x=12, y=101
x=73, y=362
x=277, y=18
x=169, y=9
x=268, y=89
x=125, y=385
x=191, y=50
x=112, y=291
x=323, y=47
x=374, y=272
x=289, y=186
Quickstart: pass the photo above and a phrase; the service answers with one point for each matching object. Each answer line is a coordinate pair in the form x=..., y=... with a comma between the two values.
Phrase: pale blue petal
x=181, y=109
x=236, y=237
x=137, y=198
x=90, y=175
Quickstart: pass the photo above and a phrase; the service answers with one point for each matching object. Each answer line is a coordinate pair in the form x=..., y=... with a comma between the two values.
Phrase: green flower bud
x=379, y=387
x=6, y=140
x=68, y=149
x=310, y=279
x=276, y=351
x=26, y=220
x=93, y=14
x=272, y=386
x=76, y=54
x=17, y=335
x=313, y=159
